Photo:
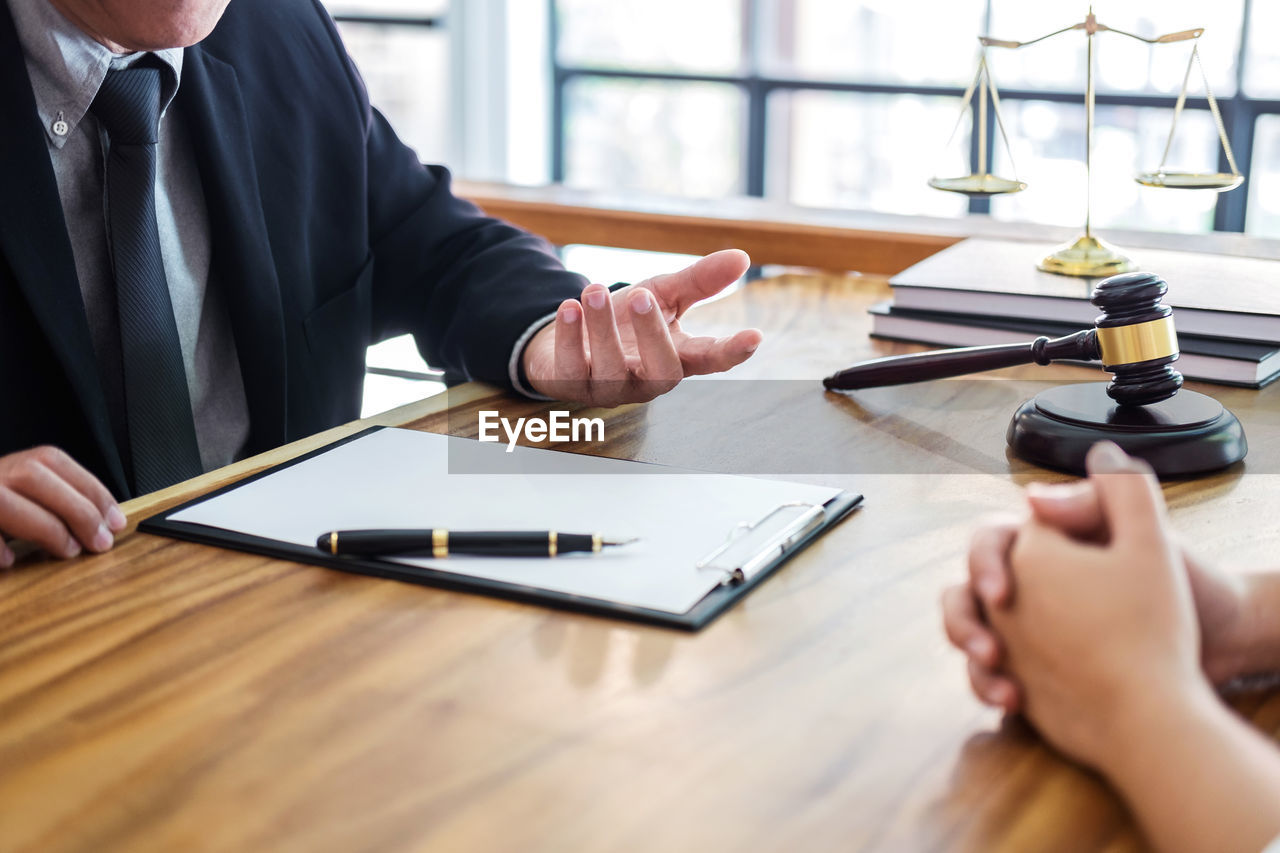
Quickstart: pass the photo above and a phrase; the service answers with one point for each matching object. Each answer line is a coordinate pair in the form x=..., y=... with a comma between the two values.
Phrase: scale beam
x=1168, y=38
x=988, y=41
x=1097, y=27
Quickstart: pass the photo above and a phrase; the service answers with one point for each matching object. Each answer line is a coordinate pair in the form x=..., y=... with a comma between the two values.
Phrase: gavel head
x=1136, y=338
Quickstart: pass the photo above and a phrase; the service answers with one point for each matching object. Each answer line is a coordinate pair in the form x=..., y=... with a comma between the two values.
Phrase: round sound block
x=1185, y=435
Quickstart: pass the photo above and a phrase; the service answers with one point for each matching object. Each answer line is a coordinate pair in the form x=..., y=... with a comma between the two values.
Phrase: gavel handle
x=939, y=364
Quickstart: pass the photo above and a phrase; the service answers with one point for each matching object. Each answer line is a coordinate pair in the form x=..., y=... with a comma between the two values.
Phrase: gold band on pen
x=552, y=542
x=333, y=541
x=439, y=543
x=1140, y=342
x=597, y=543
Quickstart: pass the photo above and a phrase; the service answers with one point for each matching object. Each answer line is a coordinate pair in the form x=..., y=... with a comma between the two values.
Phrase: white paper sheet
x=396, y=478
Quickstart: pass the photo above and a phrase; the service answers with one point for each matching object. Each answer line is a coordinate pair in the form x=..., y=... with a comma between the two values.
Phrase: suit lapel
x=34, y=241
x=243, y=264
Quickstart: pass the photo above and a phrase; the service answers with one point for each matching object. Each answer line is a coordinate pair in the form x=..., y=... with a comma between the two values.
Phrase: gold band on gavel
x=439, y=543
x=553, y=543
x=1139, y=342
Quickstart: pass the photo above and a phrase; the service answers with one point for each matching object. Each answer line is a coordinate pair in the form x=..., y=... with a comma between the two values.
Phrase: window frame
x=1240, y=112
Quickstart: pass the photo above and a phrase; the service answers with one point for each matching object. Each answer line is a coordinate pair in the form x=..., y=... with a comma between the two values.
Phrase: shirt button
x=60, y=127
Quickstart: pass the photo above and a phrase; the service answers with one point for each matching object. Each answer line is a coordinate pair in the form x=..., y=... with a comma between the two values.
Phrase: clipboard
x=750, y=552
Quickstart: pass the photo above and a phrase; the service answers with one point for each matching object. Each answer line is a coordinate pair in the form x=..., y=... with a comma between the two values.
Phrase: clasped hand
x=1076, y=614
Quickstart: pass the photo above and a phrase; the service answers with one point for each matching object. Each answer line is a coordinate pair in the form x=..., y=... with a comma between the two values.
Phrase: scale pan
x=1218, y=181
x=978, y=185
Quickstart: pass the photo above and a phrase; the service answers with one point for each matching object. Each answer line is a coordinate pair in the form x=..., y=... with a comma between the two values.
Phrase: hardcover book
x=1219, y=296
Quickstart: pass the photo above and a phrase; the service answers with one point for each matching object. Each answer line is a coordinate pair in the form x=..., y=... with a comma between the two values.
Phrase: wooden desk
x=170, y=696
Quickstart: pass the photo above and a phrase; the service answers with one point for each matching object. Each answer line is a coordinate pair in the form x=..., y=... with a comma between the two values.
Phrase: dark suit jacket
x=327, y=235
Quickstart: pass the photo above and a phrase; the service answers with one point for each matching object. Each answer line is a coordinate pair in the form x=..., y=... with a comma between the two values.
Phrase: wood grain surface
x=169, y=696
x=774, y=232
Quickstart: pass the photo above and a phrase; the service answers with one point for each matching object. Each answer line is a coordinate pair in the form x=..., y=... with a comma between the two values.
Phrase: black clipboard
x=792, y=538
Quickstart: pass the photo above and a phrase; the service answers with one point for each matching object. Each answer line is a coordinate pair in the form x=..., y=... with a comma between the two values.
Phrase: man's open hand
x=633, y=348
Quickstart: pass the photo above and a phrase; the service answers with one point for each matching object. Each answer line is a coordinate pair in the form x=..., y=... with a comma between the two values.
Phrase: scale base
x=1187, y=435
x=1087, y=256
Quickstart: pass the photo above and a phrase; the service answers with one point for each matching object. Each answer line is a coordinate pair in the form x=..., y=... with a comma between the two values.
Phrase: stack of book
x=981, y=291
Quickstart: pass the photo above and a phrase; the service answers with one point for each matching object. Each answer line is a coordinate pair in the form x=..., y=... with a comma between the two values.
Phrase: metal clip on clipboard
x=752, y=547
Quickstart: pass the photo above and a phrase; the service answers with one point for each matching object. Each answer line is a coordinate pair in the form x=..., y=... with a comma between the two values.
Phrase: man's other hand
x=606, y=348
x=48, y=499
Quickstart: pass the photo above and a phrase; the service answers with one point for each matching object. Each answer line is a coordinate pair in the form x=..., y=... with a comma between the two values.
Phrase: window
x=848, y=103
x=402, y=51
x=1264, y=184
x=634, y=135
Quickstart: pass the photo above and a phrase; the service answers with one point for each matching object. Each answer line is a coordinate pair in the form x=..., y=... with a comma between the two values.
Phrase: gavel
x=1133, y=337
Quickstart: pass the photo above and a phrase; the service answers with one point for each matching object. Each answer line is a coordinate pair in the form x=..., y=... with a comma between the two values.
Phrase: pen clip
x=751, y=547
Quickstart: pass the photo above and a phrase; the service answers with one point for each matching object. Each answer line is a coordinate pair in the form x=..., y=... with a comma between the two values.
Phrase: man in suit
x=204, y=224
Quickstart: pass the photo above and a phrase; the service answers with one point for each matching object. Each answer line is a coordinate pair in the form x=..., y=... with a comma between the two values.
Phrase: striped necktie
x=162, y=436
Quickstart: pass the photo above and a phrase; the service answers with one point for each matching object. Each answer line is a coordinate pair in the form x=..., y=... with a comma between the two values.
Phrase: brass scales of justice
x=1183, y=434
x=1087, y=255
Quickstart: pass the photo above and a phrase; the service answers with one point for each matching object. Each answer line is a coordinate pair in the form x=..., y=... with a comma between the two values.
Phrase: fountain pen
x=439, y=542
